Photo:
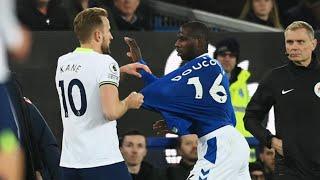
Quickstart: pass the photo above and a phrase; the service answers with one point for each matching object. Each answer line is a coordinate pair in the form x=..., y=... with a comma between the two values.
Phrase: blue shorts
x=6, y=111
x=117, y=171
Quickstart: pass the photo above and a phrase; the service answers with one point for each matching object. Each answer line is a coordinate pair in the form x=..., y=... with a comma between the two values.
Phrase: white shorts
x=222, y=155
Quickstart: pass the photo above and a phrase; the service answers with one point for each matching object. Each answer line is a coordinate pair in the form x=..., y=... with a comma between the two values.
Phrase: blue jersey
x=192, y=99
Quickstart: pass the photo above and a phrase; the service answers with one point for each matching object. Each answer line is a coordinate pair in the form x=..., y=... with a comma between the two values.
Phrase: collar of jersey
x=202, y=55
x=83, y=50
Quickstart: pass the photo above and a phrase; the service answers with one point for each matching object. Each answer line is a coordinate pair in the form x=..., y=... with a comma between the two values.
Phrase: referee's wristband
x=8, y=141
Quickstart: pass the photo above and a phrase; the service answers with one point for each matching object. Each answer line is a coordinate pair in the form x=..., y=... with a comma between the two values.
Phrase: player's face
x=227, y=60
x=188, y=148
x=186, y=45
x=262, y=7
x=107, y=36
x=299, y=45
x=134, y=149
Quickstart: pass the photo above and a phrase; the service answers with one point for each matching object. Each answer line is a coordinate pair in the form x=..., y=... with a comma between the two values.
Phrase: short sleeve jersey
x=89, y=140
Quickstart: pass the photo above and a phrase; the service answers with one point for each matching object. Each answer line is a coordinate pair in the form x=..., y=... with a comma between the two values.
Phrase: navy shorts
x=117, y=171
x=6, y=111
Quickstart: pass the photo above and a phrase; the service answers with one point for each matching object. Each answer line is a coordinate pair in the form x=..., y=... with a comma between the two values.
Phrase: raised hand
x=134, y=51
x=133, y=69
x=277, y=145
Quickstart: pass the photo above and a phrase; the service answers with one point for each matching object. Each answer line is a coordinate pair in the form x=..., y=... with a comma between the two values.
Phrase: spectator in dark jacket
x=76, y=6
x=133, y=148
x=42, y=154
x=187, y=149
x=306, y=10
x=129, y=15
x=42, y=15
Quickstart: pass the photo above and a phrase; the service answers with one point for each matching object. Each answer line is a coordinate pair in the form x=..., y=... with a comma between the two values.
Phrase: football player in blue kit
x=195, y=99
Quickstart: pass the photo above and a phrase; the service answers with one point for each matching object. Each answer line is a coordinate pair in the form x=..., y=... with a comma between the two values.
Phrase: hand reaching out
x=133, y=69
x=134, y=54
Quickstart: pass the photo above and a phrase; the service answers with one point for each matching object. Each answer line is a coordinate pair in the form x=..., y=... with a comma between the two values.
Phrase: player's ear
x=97, y=36
x=200, y=42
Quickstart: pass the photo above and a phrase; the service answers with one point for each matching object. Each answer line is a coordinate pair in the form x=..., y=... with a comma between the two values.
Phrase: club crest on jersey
x=317, y=89
x=113, y=68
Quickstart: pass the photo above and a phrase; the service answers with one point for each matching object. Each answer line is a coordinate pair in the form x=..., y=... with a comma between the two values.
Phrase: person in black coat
x=306, y=10
x=42, y=155
x=133, y=148
x=187, y=149
x=294, y=91
x=131, y=15
x=43, y=15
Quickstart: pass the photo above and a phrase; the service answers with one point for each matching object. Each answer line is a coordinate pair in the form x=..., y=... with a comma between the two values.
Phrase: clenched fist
x=134, y=100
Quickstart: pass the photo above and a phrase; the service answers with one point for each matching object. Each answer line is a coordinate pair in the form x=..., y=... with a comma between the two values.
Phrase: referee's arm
x=257, y=109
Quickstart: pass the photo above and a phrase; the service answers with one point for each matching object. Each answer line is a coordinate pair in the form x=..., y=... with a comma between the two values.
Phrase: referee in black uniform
x=294, y=91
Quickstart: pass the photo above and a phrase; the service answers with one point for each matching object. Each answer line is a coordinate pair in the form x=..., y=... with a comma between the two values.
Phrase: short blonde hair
x=86, y=21
x=301, y=25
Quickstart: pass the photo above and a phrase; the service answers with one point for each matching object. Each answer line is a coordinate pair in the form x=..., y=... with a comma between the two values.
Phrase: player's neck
x=92, y=46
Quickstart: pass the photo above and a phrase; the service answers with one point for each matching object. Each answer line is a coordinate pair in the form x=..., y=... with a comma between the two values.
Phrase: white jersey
x=89, y=140
x=9, y=34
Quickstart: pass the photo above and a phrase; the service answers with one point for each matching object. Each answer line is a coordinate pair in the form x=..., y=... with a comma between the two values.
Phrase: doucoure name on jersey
x=195, y=67
x=70, y=68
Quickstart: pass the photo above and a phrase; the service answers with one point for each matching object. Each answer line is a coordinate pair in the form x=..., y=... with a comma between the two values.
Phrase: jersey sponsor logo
x=286, y=91
x=113, y=77
x=113, y=68
x=317, y=89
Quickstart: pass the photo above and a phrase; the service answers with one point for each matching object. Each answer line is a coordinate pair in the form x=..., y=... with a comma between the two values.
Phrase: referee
x=294, y=91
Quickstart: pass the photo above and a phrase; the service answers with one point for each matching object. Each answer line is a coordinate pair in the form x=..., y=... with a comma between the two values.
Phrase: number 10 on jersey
x=83, y=107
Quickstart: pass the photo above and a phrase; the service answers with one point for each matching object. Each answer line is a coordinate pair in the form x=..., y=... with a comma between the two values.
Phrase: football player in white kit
x=87, y=81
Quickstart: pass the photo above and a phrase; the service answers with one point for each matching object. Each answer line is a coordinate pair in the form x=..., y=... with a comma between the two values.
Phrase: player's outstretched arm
x=134, y=69
x=112, y=107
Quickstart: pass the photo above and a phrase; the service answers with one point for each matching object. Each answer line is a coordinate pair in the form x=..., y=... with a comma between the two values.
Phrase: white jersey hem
x=90, y=165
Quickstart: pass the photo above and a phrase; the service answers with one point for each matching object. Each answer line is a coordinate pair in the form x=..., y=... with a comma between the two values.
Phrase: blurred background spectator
x=230, y=8
x=131, y=15
x=267, y=158
x=133, y=147
x=264, y=12
x=256, y=171
x=306, y=10
x=187, y=149
x=42, y=15
x=76, y=6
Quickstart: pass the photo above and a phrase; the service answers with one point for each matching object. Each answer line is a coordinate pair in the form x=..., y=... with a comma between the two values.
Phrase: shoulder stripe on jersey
x=108, y=82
